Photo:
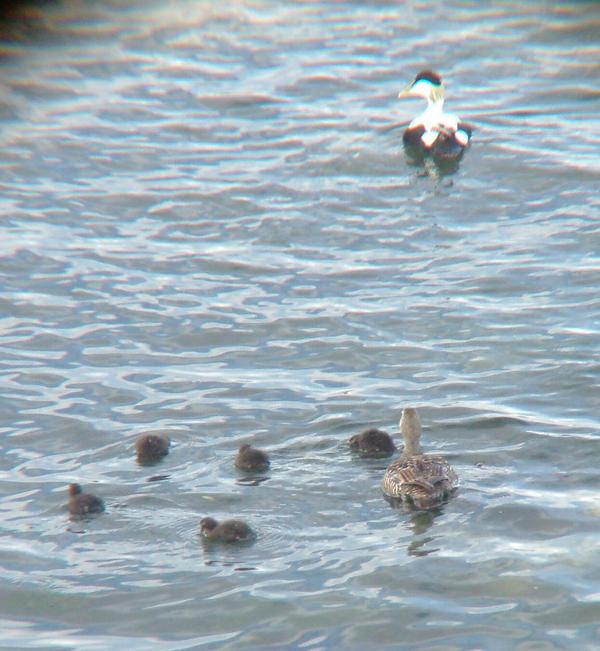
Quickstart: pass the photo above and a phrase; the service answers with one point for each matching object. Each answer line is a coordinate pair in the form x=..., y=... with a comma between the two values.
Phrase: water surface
x=209, y=228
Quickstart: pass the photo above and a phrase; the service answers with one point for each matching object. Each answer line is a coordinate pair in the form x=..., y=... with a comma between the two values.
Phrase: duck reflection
x=158, y=478
x=420, y=521
x=427, y=167
x=232, y=564
x=251, y=481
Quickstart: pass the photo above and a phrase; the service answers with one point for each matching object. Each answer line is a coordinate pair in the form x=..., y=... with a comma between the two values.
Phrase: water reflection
x=415, y=547
x=226, y=554
x=76, y=525
x=420, y=521
x=220, y=562
x=158, y=478
x=426, y=166
x=251, y=481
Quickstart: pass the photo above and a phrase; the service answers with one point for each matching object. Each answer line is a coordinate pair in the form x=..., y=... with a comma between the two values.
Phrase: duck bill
x=406, y=91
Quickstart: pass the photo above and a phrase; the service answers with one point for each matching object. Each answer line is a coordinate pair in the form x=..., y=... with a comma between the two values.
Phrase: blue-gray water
x=209, y=228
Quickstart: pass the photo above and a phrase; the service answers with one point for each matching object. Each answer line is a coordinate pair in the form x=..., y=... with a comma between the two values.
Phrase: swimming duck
x=81, y=503
x=227, y=531
x=249, y=458
x=372, y=443
x=151, y=448
x=441, y=134
x=420, y=479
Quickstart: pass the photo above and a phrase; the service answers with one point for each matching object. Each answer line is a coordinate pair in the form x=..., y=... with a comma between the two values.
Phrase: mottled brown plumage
x=81, y=503
x=252, y=459
x=151, y=448
x=420, y=479
x=372, y=443
x=227, y=531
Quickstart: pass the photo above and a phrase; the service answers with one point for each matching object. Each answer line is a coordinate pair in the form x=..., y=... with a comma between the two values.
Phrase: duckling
x=228, y=531
x=372, y=443
x=81, y=503
x=420, y=479
x=434, y=131
x=249, y=458
x=151, y=448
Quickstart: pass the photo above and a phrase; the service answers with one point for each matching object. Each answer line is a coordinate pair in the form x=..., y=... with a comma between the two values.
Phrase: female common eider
x=372, y=443
x=420, y=479
x=228, y=531
x=252, y=459
x=81, y=503
x=441, y=134
x=151, y=448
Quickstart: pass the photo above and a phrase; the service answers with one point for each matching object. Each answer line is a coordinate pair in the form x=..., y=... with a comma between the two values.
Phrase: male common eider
x=441, y=134
x=228, y=531
x=422, y=480
x=252, y=459
x=151, y=448
x=372, y=443
x=81, y=503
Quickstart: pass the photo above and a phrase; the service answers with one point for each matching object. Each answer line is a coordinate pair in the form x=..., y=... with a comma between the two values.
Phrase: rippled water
x=209, y=228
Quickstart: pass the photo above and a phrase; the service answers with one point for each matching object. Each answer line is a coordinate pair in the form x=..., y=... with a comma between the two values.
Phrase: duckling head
x=74, y=489
x=207, y=525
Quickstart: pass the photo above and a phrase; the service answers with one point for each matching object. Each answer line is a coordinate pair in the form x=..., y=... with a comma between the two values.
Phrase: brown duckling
x=249, y=458
x=81, y=503
x=373, y=443
x=151, y=448
x=228, y=531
